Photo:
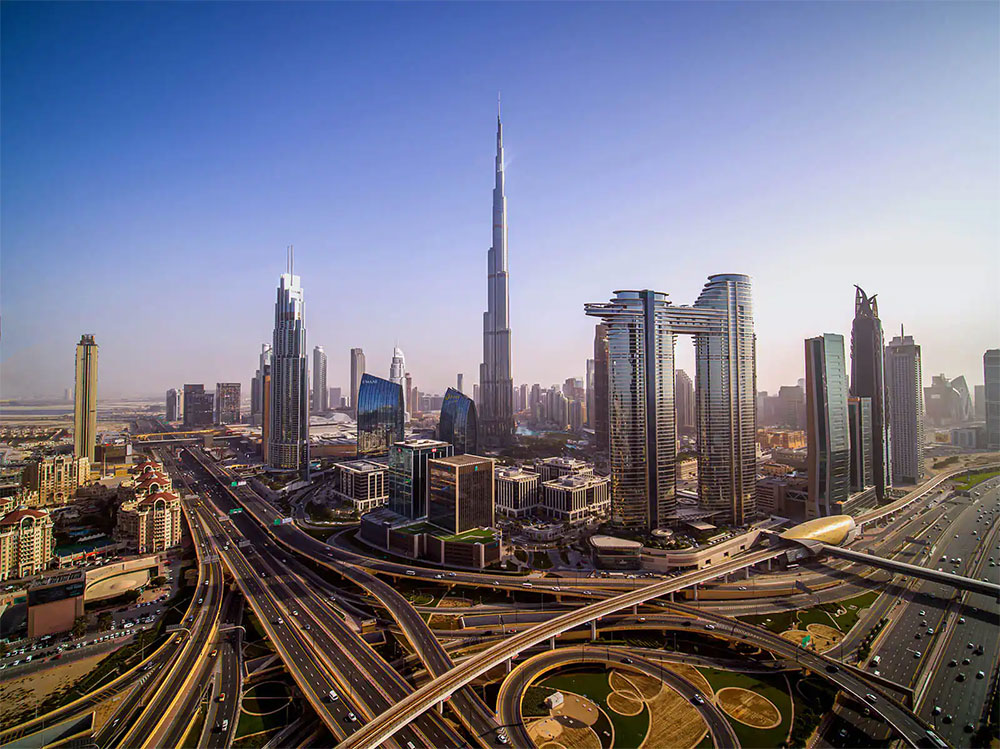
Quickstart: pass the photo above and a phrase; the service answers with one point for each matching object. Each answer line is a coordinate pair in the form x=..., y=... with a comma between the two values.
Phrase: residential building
x=904, y=384
x=175, y=405
x=859, y=414
x=576, y=498
x=150, y=524
x=991, y=397
x=460, y=493
x=321, y=395
x=516, y=492
x=380, y=416
x=357, y=371
x=408, y=474
x=56, y=477
x=397, y=372
x=459, y=385
x=495, y=403
x=458, y=423
x=591, y=367
x=257, y=389
x=868, y=381
x=576, y=415
x=85, y=399
x=289, y=432
x=642, y=327
x=26, y=543
x=227, y=403
x=362, y=483
x=335, y=398
x=684, y=402
x=828, y=432
x=198, y=407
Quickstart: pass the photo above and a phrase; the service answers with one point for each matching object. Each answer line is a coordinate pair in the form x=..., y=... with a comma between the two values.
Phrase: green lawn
x=824, y=613
x=967, y=482
x=629, y=730
x=766, y=685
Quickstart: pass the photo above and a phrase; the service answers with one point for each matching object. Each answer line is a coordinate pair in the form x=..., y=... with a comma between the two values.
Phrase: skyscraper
x=868, y=381
x=257, y=389
x=198, y=406
x=227, y=403
x=859, y=412
x=460, y=493
x=599, y=419
x=174, y=405
x=321, y=394
x=289, y=431
x=828, y=431
x=459, y=384
x=641, y=330
x=85, y=399
x=408, y=394
x=991, y=395
x=380, y=416
x=904, y=384
x=458, y=424
x=408, y=474
x=397, y=370
x=684, y=402
x=495, y=380
x=357, y=370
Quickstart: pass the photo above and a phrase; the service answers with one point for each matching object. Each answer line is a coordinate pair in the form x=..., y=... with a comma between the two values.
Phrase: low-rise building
x=576, y=498
x=397, y=534
x=25, y=543
x=55, y=602
x=516, y=492
x=553, y=468
x=56, y=477
x=361, y=483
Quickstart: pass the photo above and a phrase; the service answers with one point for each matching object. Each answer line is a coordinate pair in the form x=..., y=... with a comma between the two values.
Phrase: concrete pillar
x=635, y=609
x=695, y=587
x=769, y=564
x=440, y=707
x=510, y=665
x=552, y=643
x=593, y=629
x=671, y=596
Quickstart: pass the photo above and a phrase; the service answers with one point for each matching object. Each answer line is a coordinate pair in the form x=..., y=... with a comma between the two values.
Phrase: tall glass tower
x=85, y=399
x=288, y=436
x=321, y=395
x=829, y=436
x=640, y=329
x=496, y=385
x=868, y=381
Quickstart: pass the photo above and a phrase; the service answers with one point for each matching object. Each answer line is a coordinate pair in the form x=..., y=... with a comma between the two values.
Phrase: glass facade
x=905, y=386
x=459, y=424
x=640, y=329
x=827, y=425
x=288, y=435
x=460, y=493
x=408, y=474
x=868, y=381
x=380, y=416
x=859, y=412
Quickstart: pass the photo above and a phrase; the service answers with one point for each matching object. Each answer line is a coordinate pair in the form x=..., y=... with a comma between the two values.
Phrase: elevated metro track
x=881, y=512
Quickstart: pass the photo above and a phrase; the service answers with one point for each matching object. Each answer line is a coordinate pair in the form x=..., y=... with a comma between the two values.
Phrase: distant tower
x=684, y=401
x=321, y=393
x=257, y=386
x=458, y=383
x=904, y=383
x=397, y=373
x=85, y=405
x=600, y=417
x=357, y=371
x=868, y=381
x=991, y=396
x=829, y=443
x=496, y=384
x=289, y=429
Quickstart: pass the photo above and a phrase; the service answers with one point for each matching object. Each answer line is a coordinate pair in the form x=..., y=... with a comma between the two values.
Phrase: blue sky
x=158, y=158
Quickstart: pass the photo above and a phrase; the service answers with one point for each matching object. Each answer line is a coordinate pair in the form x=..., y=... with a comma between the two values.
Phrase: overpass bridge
x=176, y=438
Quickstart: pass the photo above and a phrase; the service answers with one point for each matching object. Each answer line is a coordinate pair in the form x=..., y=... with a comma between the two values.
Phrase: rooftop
x=419, y=443
x=611, y=542
x=463, y=460
x=362, y=466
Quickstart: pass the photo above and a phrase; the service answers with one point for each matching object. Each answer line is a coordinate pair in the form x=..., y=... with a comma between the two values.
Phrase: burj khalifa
x=496, y=387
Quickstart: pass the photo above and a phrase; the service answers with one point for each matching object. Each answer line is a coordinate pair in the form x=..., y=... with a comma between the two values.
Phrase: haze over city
x=157, y=159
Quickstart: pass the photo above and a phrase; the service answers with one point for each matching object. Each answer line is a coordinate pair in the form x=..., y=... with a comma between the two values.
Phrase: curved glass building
x=459, y=423
x=380, y=416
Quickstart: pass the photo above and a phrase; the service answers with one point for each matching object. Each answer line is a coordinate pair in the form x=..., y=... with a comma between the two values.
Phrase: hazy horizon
x=158, y=158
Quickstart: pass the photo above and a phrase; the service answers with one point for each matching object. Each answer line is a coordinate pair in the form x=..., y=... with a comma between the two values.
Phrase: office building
x=516, y=492
x=85, y=399
x=55, y=602
x=979, y=402
x=56, y=478
x=576, y=415
x=198, y=406
x=459, y=384
x=289, y=432
x=475, y=394
x=601, y=413
x=26, y=543
x=868, y=381
x=495, y=401
x=828, y=432
x=357, y=371
x=991, y=397
x=791, y=406
x=948, y=402
x=265, y=414
x=458, y=424
x=641, y=331
x=257, y=389
x=550, y=469
x=334, y=398
x=408, y=474
x=380, y=416
x=576, y=499
x=321, y=395
x=684, y=402
x=175, y=405
x=859, y=414
x=361, y=483
x=227, y=403
x=460, y=493
x=904, y=384
x=591, y=366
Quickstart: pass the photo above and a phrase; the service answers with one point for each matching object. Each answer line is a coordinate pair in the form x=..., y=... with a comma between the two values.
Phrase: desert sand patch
x=749, y=707
x=26, y=692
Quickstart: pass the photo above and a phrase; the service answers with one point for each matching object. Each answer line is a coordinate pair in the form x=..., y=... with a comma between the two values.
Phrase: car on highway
x=960, y=677
x=698, y=699
x=352, y=717
x=871, y=698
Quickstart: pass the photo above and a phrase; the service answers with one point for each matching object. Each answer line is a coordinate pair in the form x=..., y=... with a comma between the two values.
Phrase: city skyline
x=856, y=192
